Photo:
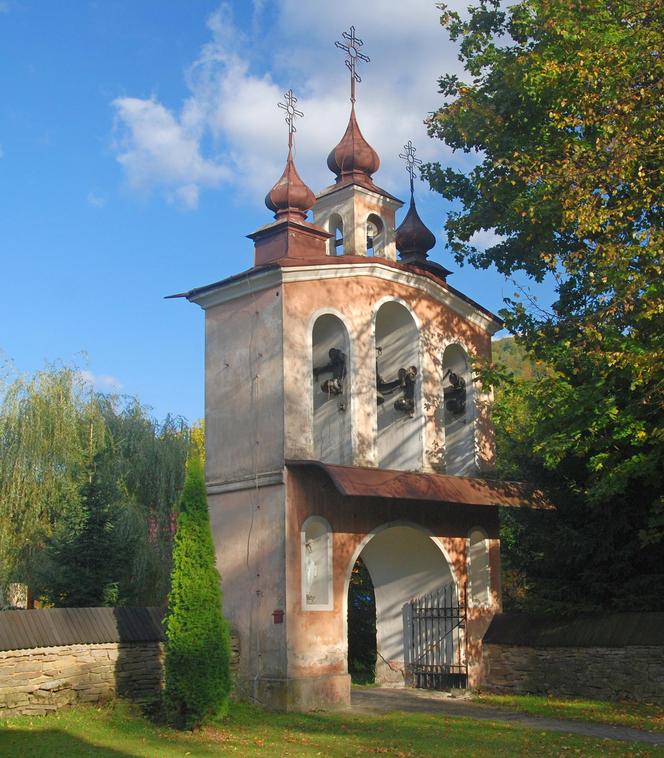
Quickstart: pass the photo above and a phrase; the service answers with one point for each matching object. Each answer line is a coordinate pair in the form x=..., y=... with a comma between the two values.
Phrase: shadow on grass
x=52, y=742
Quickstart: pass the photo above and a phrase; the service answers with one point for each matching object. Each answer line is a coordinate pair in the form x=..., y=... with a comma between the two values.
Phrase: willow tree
x=89, y=487
x=561, y=106
x=42, y=465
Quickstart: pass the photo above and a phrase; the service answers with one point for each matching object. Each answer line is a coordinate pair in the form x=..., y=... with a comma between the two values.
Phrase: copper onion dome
x=290, y=197
x=353, y=159
x=413, y=239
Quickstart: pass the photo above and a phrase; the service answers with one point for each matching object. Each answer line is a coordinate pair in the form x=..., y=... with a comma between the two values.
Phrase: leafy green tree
x=89, y=485
x=197, y=661
x=562, y=109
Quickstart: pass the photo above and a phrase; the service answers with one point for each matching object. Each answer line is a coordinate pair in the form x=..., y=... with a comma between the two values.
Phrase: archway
x=398, y=380
x=331, y=398
x=403, y=561
x=459, y=412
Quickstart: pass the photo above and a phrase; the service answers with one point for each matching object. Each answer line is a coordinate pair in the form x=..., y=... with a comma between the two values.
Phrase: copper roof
x=357, y=481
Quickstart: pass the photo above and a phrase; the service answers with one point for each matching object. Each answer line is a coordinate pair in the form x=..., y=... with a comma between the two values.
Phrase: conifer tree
x=197, y=660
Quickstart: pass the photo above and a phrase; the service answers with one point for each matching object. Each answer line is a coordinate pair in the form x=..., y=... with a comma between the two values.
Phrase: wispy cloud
x=229, y=131
x=95, y=200
x=101, y=382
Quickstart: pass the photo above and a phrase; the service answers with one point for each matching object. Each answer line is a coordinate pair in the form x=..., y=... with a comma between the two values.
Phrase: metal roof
x=50, y=627
x=587, y=630
x=406, y=485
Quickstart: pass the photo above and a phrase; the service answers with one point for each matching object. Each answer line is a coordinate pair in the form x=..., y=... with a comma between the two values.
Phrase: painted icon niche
x=316, y=564
x=331, y=396
x=398, y=396
x=458, y=412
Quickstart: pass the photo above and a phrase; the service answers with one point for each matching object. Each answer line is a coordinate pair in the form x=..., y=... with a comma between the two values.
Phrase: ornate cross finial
x=353, y=55
x=411, y=161
x=291, y=114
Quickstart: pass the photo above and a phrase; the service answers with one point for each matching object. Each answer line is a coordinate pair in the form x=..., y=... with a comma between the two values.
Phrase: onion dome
x=290, y=197
x=353, y=159
x=413, y=239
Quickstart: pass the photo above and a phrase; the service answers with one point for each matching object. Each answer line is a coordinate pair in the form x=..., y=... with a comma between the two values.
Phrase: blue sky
x=137, y=141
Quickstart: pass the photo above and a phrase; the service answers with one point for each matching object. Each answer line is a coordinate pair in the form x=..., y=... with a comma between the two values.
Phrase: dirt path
x=383, y=700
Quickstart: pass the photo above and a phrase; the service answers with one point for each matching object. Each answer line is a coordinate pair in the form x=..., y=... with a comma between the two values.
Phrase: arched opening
x=331, y=396
x=361, y=625
x=479, y=572
x=316, y=564
x=398, y=396
x=402, y=562
x=375, y=235
x=336, y=229
x=458, y=412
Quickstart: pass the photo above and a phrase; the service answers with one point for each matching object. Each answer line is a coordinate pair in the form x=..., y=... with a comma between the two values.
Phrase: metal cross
x=411, y=161
x=291, y=114
x=353, y=55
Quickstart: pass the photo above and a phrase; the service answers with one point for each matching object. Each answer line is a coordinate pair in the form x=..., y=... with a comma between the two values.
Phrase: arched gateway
x=325, y=376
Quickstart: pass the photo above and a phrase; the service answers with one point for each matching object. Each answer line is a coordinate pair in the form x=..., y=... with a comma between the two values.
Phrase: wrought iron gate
x=434, y=640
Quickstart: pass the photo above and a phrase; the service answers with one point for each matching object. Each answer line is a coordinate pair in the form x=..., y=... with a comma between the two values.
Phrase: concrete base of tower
x=321, y=693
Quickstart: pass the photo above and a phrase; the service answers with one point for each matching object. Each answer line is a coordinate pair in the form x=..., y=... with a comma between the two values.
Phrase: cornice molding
x=261, y=280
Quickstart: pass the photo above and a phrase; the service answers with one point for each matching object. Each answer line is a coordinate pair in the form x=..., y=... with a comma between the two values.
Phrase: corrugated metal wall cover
x=587, y=630
x=374, y=482
x=52, y=627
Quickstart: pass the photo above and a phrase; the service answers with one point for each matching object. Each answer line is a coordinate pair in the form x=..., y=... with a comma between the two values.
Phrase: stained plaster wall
x=244, y=387
x=356, y=300
x=249, y=537
x=317, y=640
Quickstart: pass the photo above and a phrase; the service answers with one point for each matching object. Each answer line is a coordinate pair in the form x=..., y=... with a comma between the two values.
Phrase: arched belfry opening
x=375, y=235
x=336, y=229
x=402, y=562
x=331, y=395
x=398, y=395
x=458, y=412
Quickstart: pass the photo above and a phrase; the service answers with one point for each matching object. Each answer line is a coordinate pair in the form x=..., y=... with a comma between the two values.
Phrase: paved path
x=383, y=700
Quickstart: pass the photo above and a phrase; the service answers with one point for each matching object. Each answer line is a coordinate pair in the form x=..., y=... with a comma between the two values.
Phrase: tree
x=88, y=485
x=197, y=661
x=562, y=111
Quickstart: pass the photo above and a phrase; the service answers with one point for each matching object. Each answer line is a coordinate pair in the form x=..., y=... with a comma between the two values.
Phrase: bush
x=197, y=660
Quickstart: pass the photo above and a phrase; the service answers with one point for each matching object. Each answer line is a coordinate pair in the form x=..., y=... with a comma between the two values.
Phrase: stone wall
x=628, y=673
x=601, y=656
x=40, y=680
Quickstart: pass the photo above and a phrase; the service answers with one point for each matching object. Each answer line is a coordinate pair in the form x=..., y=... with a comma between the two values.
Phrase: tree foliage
x=88, y=485
x=562, y=109
x=197, y=673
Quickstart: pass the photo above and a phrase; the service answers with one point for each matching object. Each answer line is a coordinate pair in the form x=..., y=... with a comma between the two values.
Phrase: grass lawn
x=119, y=730
x=636, y=715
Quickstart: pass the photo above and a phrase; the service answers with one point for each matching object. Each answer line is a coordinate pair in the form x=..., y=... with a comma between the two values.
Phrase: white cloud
x=101, y=382
x=229, y=129
x=96, y=200
x=485, y=238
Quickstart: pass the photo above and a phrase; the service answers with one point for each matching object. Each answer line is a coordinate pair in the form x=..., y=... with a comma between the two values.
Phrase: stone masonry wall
x=40, y=680
x=602, y=673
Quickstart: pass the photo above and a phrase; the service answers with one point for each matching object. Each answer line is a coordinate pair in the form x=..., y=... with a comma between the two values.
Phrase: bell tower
x=343, y=424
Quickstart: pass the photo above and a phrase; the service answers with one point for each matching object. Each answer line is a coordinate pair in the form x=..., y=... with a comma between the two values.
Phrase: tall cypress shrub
x=197, y=673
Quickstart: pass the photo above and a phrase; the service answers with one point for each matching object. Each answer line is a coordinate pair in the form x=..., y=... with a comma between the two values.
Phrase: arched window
x=375, y=235
x=458, y=411
x=331, y=390
x=479, y=575
x=316, y=564
x=398, y=396
x=336, y=228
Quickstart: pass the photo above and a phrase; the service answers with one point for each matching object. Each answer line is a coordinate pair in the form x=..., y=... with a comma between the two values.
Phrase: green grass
x=120, y=731
x=636, y=715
